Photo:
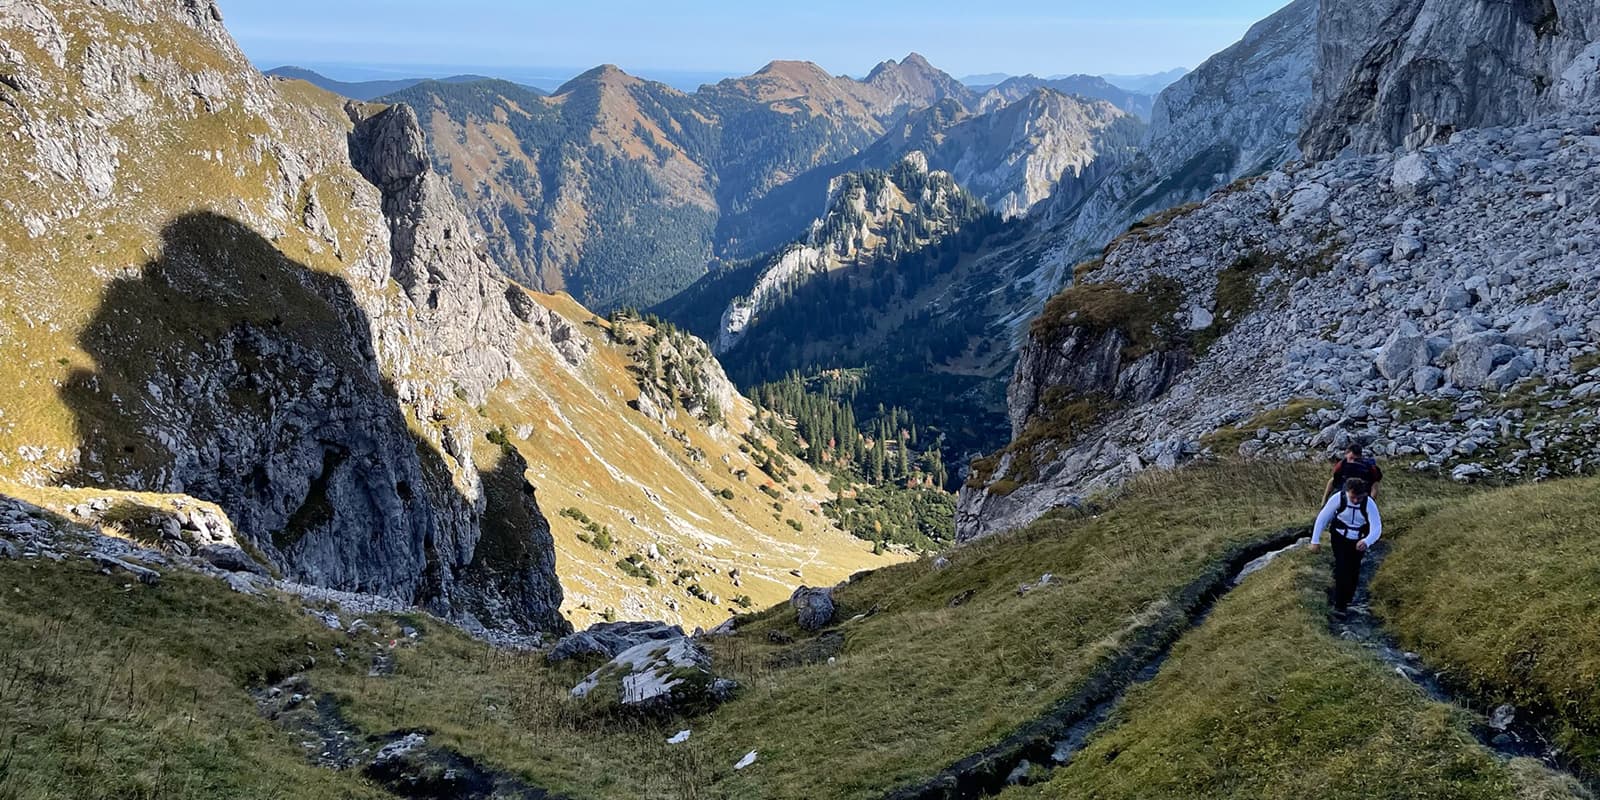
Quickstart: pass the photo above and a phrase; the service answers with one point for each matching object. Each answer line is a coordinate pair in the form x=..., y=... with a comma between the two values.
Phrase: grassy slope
x=922, y=684
x=1503, y=591
x=1262, y=701
x=111, y=689
x=588, y=450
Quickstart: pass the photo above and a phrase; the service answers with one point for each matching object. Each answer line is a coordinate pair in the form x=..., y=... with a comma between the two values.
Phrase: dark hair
x=1354, y=449
x=1357, y=487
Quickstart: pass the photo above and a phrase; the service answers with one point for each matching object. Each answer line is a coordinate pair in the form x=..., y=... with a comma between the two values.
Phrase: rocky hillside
x=252, y=293
x=871, y=215
x=1435, y=304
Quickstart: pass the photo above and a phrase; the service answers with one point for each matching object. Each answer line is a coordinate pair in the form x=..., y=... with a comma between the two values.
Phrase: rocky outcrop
x=1238, y=114
x=658, y=675
x=278, y=309
x=434, y=254
x=610, y=639
x=869, y=214
x=1409, y=73
x=1439, y=306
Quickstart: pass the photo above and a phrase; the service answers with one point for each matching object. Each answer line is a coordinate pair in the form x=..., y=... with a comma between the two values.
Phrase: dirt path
x=1504, y=731
x=1053, y=739
x=402, y=762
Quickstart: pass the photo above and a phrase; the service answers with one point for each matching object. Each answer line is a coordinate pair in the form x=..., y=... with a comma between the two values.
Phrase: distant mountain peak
x=913, y=63
x=793, y=70
x=605, y=73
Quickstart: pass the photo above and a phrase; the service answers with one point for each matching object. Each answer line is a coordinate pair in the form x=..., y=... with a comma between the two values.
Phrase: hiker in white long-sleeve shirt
x=1351, y=519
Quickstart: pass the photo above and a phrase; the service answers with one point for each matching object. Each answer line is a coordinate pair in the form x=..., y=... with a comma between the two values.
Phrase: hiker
x=1353, y=465
x=1352, y=519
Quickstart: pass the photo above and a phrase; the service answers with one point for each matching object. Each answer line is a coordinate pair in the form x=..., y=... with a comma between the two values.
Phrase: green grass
x=1143, y=317
x=1502, y=591
x=1262, y=701
x=921, y=684
x=916, y=684
x=113, y=689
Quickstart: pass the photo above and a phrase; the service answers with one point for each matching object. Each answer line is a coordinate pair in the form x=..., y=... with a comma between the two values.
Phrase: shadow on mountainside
x=230, y=372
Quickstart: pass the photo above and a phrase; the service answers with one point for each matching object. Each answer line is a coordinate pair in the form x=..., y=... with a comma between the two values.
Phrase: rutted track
x=1052, y=740
x=402, y=762
x=1063, y=730
x=1516, y=737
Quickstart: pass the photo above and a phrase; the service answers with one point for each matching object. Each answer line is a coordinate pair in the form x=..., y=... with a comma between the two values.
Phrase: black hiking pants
x=1346, y=570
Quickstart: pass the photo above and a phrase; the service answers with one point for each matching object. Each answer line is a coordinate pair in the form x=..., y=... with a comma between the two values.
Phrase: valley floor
x=111, y=688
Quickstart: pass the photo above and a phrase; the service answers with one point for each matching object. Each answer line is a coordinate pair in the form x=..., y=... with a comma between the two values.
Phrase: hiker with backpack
x=1353, y=465
x=1351, y=517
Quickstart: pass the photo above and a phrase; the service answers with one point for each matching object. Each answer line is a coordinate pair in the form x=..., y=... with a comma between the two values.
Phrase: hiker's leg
x=1345, y=568
x=1354, y=565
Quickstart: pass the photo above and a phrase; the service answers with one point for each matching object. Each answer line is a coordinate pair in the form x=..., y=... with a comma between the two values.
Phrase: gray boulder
x=231, y=559
x=1407, y=248
x=1405, y=352
x=1427, y=379
x=1535, y=329
x=1509, y=373
x=1476, y=356
x=660, y=674
x=609, y=639
x=1412, y=175
x=813, y=607
x=110, y=564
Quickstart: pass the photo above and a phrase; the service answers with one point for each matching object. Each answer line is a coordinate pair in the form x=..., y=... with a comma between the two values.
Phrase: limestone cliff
x=1410, y=73
x=227, y=287
x=1237, y=114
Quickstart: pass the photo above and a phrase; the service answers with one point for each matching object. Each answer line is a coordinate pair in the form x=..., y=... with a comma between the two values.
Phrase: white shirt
x=1351, y=516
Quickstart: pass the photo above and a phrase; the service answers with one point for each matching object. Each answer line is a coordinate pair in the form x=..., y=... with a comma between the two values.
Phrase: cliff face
x=1238, y=114
x=1044, y=146
x=227, y=287
x=1410, y=73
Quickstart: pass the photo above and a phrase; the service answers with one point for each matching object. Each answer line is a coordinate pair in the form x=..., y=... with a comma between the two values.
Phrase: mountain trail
x=403, y=762
x=1502, y=730
x=1053, y=739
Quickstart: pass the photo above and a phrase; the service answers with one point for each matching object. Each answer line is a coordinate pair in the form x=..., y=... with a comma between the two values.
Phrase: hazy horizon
x=719, y=38
x=543, y=77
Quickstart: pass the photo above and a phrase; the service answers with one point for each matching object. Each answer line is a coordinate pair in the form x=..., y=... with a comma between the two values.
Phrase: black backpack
x=1340, y=526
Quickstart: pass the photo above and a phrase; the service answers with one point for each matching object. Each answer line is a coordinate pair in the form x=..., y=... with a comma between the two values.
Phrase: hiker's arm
x=1323, y=518
x=1327, y=491
x=1377, y=528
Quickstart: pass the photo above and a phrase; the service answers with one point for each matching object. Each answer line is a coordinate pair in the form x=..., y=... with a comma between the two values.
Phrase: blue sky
x=845, y=36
